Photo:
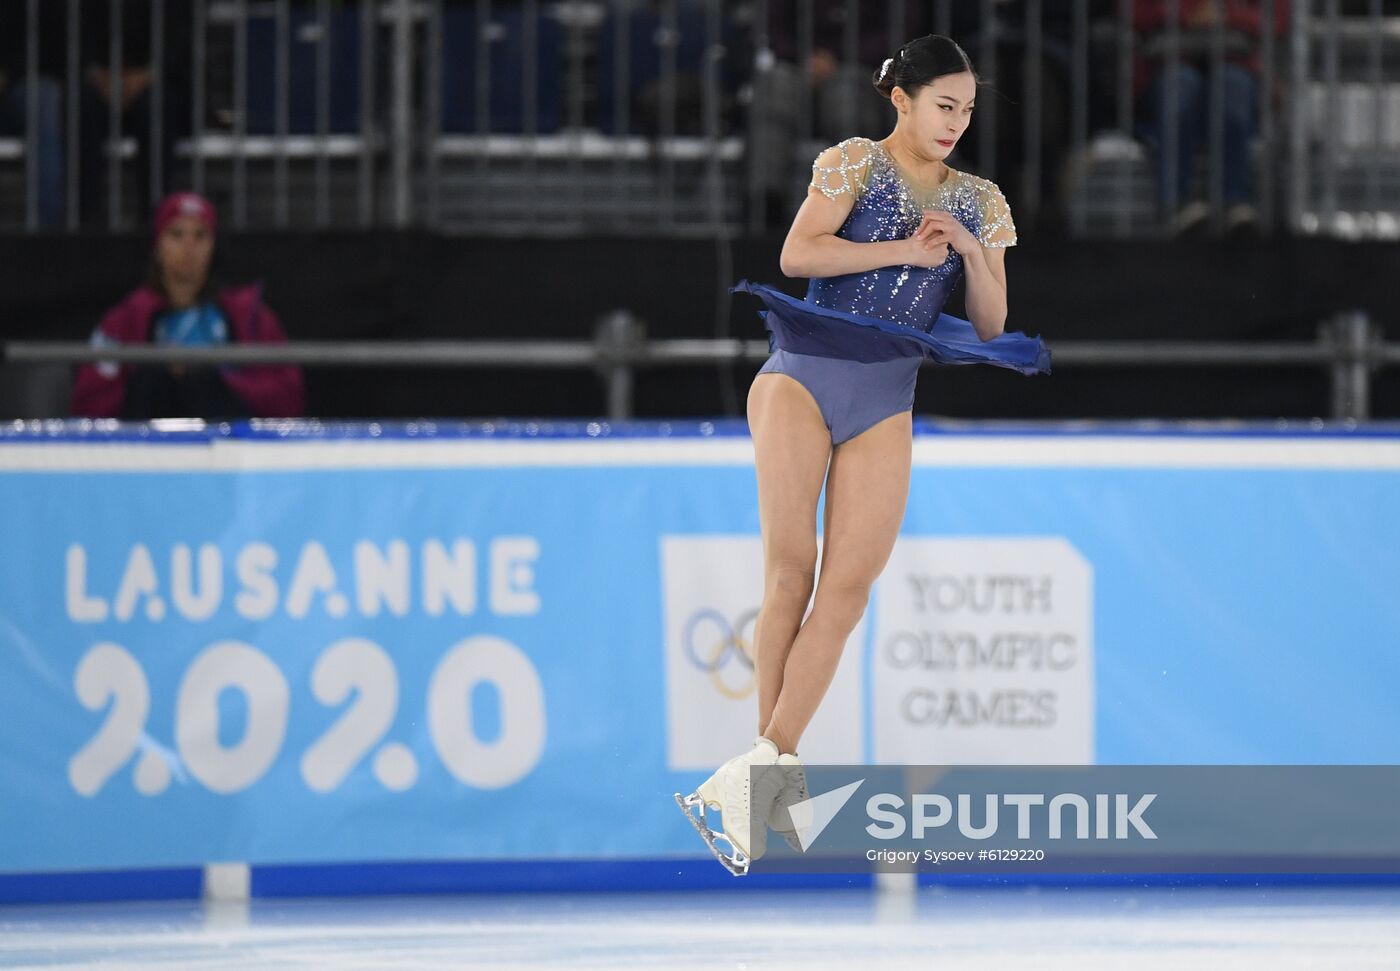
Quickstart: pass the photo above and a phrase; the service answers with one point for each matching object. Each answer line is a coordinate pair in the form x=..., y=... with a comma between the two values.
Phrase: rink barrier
x=1011, y=456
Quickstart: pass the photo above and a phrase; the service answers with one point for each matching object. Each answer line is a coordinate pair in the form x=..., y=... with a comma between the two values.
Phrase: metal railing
x=1349, y=346
x=684, y=116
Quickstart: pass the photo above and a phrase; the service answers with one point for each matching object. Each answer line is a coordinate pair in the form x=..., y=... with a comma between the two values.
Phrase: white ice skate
x=794, y=791
x=739, y=800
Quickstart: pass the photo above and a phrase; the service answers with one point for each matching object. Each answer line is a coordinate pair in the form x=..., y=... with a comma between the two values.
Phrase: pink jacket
x=271, y=392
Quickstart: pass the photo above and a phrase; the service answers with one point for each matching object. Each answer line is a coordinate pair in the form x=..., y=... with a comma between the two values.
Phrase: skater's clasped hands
x=925, y=253
x=942, y=230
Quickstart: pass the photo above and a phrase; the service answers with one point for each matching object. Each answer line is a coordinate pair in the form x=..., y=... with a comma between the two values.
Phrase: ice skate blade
x=738, y=863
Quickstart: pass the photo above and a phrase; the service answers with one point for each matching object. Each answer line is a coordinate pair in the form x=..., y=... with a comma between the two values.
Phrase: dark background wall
x=405, y=286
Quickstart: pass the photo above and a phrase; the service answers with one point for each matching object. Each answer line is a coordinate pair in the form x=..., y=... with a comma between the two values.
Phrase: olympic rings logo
x=711, y=642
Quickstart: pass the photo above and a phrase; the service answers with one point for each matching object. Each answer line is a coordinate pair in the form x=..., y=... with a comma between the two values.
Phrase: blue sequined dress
x=895, y=311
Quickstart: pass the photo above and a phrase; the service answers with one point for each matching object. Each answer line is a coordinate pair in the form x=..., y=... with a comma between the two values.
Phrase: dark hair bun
x=883, y=78
x=919, y=62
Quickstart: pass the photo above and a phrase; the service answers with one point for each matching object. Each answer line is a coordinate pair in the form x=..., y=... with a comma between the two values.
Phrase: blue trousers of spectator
x=1241, y=111
x=14, y=109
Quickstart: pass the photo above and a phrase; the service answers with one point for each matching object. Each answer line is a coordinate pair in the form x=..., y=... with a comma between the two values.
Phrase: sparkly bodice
x=888, y=206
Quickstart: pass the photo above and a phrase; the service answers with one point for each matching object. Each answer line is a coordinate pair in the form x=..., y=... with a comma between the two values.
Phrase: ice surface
x=1195, y=928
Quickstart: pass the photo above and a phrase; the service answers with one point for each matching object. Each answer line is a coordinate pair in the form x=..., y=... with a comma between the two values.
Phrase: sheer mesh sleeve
x=997, y=229
x=842, y=169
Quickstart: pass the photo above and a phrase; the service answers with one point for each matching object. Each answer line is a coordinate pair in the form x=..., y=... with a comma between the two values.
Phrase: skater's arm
x=812, y=247
x=986, y=290
x=984, y=265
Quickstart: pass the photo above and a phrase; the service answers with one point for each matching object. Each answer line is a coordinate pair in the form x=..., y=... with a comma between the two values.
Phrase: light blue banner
x=292, y=647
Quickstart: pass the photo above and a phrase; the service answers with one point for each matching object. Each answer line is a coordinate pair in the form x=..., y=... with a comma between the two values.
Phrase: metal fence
x=674, y=117
x=1349, y=347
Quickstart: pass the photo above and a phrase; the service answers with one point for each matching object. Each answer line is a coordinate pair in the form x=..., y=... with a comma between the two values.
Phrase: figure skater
x=885, y=233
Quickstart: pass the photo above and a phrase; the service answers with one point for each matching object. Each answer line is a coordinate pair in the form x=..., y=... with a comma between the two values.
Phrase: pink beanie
x=179, y=204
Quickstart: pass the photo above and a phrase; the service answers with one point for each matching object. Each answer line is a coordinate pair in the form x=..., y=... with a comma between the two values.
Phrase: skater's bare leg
x=791, y=449
x=866, y=491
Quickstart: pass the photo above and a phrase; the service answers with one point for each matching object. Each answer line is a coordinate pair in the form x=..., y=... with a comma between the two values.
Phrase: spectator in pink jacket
x=180, y=305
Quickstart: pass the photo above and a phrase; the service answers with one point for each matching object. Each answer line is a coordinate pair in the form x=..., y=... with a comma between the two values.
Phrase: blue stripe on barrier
x=101, y=885
x=1070, y=880
x=576, y=876
x=444, y=877
x=185, y=432
x=508, y=876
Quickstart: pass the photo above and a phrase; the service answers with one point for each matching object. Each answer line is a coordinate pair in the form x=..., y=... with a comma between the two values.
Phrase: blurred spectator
x=14, y=103
x=843, y=103
x=1242, y=26
x=689, y=53
x=134, y=94
x=180, y=304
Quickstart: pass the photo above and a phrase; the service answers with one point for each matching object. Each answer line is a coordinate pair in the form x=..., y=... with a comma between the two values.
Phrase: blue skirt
x=800, y=327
